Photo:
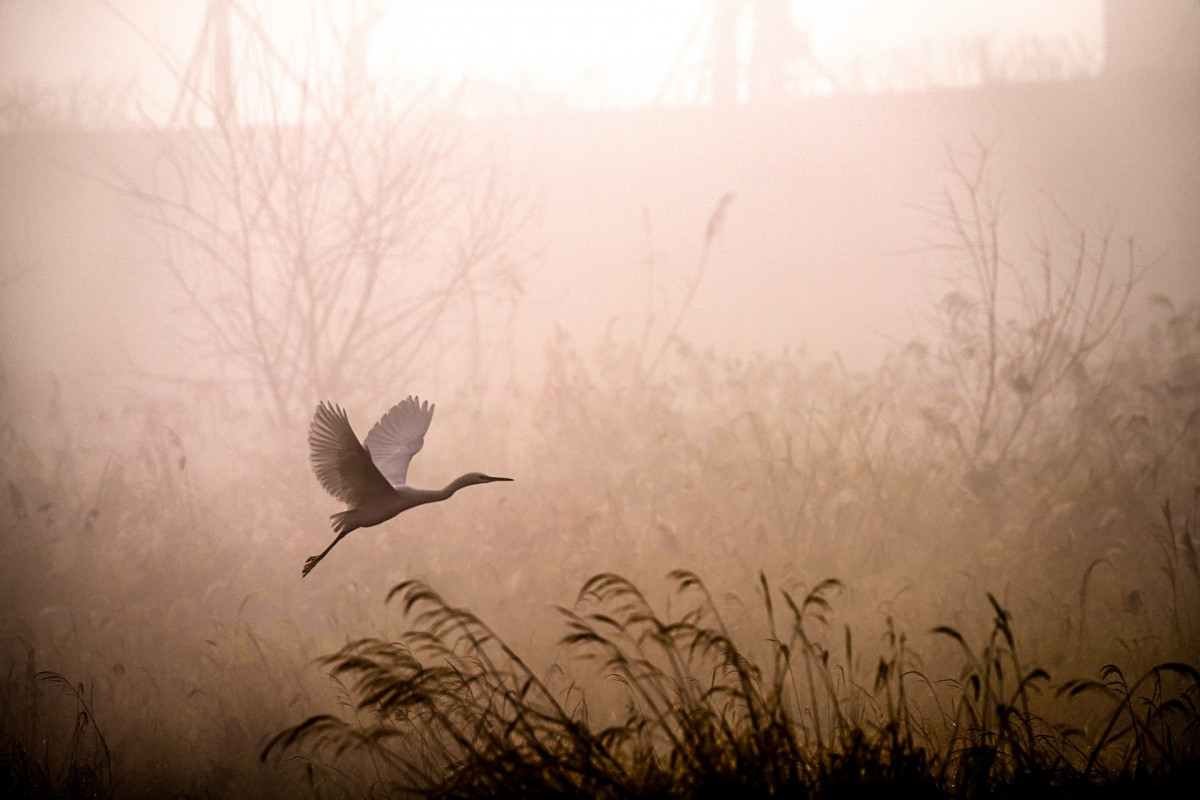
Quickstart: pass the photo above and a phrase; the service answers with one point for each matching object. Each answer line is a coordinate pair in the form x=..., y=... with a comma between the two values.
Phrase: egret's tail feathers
x=341, y=523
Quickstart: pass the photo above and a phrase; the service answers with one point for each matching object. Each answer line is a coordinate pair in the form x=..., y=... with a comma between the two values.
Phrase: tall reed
x=449, y=710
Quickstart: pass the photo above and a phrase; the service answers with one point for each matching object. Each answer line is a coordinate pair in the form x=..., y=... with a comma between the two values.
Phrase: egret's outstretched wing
x=341, y=464
x=398, y=436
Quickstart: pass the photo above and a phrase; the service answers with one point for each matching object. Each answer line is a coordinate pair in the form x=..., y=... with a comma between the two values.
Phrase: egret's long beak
x=491, y=478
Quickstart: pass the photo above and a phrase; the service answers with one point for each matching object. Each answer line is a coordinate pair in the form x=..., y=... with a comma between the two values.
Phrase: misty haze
x=841, y=362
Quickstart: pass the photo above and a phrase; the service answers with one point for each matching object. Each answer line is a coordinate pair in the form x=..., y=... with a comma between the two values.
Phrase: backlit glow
x=547, y=53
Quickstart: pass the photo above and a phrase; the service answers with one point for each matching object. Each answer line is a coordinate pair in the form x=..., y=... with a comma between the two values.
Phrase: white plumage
x=370, y=480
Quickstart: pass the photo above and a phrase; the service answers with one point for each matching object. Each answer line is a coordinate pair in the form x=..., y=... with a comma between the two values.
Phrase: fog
x=930, y=329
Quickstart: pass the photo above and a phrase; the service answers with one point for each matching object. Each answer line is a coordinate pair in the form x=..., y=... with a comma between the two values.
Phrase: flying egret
x=370, y=479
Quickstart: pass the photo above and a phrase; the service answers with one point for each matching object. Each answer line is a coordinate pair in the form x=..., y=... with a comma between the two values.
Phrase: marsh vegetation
x=972, y=571
x=968, y=570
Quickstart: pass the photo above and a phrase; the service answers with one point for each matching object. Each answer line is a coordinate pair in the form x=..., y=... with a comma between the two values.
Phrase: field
x=966, y=570
x=959, y=574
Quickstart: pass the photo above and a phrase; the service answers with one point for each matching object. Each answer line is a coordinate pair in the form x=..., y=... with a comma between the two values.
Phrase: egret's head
x=472, y=478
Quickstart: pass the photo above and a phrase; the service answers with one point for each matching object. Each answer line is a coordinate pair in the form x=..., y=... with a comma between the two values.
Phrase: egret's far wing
x=398, y=436
x=341, y=464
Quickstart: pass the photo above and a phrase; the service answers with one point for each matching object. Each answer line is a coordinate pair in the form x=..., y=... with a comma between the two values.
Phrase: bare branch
x=320, y=231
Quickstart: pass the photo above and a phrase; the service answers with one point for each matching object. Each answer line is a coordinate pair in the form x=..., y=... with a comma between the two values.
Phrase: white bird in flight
x=370, y=479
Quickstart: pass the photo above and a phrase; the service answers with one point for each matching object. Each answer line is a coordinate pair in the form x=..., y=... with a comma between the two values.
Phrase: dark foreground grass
x=449, y=710
x=40, y=760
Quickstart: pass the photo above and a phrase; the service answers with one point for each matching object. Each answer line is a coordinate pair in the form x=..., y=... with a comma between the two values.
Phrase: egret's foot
x=310, y=563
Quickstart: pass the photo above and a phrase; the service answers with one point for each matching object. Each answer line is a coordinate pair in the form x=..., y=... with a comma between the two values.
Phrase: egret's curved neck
x=458, y=483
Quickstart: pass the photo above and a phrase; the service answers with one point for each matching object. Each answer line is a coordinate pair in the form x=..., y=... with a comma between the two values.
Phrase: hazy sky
x=590, y=52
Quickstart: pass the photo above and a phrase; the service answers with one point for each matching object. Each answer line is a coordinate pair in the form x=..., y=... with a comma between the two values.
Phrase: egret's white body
x=369, y=478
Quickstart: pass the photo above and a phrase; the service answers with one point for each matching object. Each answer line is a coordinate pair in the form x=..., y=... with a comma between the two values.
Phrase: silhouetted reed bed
x=449, y=710
x=39, y=757
x=150, y=556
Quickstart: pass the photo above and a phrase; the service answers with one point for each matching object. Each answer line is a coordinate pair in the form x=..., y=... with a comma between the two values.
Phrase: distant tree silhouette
x=1023, y=332
x=324, y=228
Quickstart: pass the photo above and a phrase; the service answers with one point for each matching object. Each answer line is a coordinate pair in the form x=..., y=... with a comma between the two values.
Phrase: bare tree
x=323, y=228
x=1023, y=333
